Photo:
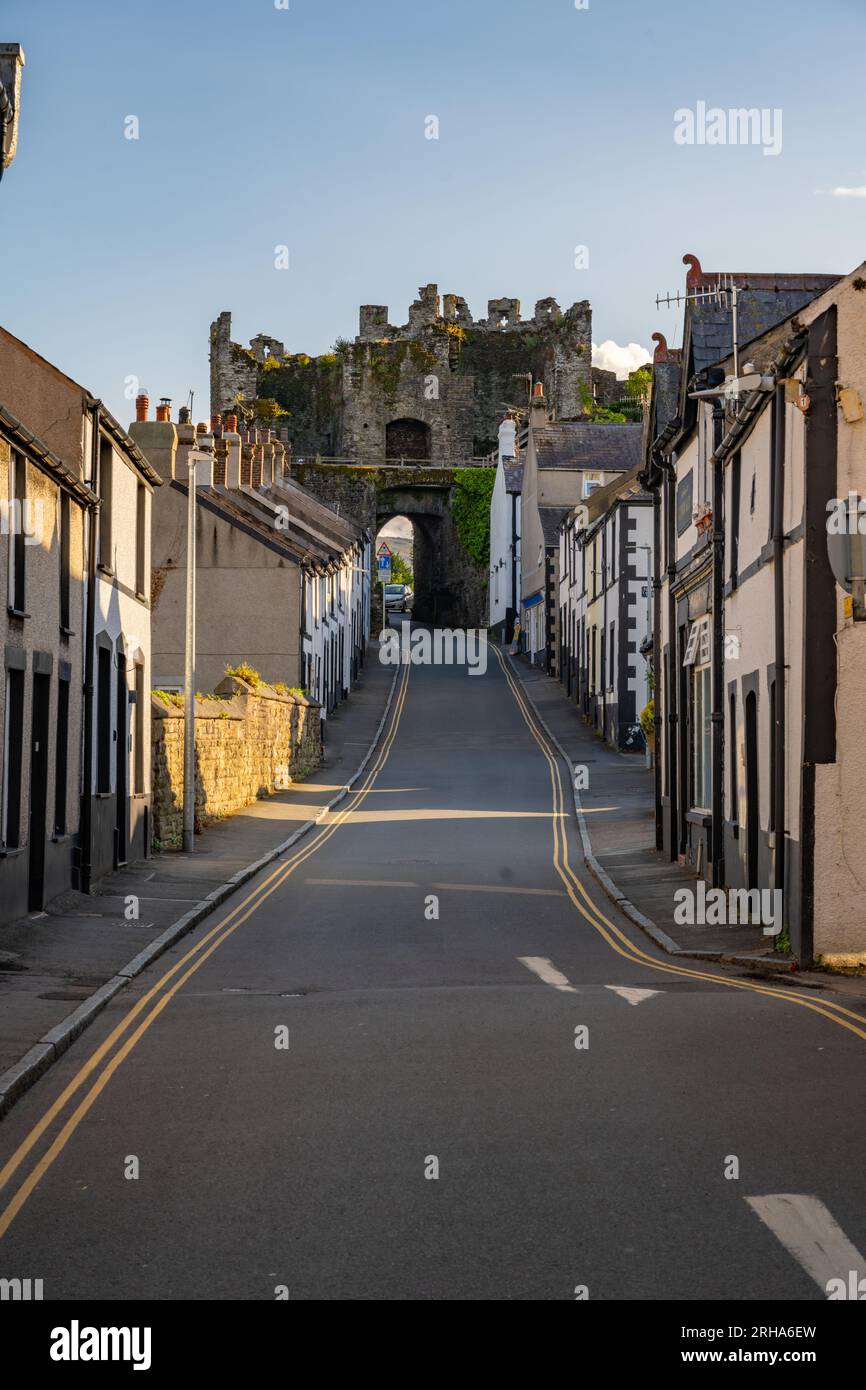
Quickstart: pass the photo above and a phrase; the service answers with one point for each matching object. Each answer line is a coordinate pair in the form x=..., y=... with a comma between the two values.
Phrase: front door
x=752, y=801
x=38, y=791
x=122, y=796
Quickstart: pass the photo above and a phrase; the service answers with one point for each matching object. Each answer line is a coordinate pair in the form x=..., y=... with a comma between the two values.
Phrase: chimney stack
x=233, y=453
x=141, y=407
x=538, y=413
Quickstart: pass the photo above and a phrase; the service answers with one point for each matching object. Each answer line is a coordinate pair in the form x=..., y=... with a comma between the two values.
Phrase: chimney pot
x=232, y=424
x=538, y=391
x=141, y=405
x=163, y=413
x=201, y=427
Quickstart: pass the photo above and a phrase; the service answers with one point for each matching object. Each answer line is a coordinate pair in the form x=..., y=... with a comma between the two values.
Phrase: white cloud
x=849, y=192
x=622, y=360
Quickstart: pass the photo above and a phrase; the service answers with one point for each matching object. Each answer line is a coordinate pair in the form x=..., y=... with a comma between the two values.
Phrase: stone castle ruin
x=432, y=391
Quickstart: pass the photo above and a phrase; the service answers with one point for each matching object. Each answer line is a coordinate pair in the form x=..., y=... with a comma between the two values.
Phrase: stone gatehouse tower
x=433, y=390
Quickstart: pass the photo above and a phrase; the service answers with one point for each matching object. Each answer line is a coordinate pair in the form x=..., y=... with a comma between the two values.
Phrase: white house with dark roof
x=605, y=616
x=565, y=463
x=760, y=647
x=504, y=585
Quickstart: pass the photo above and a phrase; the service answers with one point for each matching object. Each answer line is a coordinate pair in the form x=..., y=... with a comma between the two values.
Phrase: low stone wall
x=249, y=743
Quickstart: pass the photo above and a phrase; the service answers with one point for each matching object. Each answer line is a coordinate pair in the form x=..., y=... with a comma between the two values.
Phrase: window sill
x=106, y=570
x=67, y=631
x=61, y=836
x=697, y=816
x=11, y=851
x=103, y=796
x=141, y=595
x=16, y=612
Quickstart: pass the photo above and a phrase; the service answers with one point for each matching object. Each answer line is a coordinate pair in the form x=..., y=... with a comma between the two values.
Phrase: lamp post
x=194, y=457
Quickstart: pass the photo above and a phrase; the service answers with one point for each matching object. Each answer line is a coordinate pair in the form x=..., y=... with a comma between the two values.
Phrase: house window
x=140, y=537
x=702, y=738
x=103, y=721
x=735, y=519
x=61, y=757
x=772, y=825
x=611, y=650
x=65, y=560
x=105, y=482
x=138, y=746
x=13, y=749
x=733, y=810
x=17, y=520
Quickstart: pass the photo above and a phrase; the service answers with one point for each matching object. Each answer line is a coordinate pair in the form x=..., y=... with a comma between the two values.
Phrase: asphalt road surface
x=423, y=1057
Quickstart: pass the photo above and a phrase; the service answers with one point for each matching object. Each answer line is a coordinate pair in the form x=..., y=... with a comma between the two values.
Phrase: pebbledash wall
x=250, y=742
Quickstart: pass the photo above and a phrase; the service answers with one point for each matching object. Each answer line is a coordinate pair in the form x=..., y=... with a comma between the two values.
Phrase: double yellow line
x=159, y=996
x=617, y=939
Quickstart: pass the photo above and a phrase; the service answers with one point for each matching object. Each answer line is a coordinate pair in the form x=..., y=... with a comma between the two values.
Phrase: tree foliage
x=470, y=507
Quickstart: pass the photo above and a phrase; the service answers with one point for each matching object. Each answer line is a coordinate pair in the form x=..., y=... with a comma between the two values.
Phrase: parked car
x=398, y=598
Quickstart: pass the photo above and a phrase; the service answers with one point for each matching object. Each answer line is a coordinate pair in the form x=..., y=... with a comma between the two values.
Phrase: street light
x=201, y=455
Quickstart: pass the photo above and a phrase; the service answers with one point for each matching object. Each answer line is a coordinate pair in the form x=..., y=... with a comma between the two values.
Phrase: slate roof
x=666, y=394
x=550, y=521
x=29, y=443
x=311, y=533
x=763, y=301
x=583, y=444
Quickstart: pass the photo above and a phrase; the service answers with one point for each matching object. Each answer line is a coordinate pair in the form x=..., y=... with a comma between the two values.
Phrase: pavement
x=56, y=966
x=619, y=815
x=425, y=1057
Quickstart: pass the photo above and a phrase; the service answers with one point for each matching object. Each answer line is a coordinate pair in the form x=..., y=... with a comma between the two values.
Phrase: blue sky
x=305, y=127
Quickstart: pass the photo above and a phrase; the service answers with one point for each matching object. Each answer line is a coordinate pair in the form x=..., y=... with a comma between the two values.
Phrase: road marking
x=499, y=888
x=634, y=996
x=808, y=1231
x=542, y=967
x=360, y=883
x=216, y=935
x=615, y=937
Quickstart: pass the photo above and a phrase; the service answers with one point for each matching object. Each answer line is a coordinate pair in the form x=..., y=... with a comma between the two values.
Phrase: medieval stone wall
x=442, y=369
x=248, y=744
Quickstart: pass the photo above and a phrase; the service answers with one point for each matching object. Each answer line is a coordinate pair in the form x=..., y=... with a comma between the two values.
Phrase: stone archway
x=426, y=560
x=408, y=440
x=450, y=587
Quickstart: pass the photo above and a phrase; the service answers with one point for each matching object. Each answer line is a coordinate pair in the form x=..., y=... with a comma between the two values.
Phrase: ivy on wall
x=470, y=507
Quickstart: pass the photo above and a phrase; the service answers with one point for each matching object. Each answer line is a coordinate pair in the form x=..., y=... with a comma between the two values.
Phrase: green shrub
x=648, y=721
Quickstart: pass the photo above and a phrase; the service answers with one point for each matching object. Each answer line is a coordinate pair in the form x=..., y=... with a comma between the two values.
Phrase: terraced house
x=284, y=582
x=605, y=579
x=76, y=496
x=565, y=462
x=760, y=647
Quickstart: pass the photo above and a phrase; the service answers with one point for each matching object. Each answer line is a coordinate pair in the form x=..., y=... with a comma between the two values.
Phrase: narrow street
x=435, y=952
